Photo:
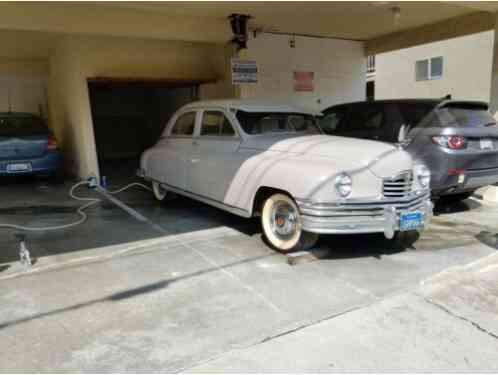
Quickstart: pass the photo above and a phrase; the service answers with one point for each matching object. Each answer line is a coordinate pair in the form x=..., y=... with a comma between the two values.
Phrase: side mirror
x=403, y=134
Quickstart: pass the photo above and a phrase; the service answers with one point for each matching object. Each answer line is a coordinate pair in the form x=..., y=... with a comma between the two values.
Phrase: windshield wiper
x=490, y=124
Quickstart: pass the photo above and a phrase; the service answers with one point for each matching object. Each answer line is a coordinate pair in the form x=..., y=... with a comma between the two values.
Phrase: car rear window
x=21, y=126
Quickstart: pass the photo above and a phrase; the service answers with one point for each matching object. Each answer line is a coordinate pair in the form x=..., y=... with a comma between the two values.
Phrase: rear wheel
x=282, y=227
x=159, y=191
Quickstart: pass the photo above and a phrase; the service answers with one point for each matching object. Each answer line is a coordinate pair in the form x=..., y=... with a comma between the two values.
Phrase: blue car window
x=21, y=126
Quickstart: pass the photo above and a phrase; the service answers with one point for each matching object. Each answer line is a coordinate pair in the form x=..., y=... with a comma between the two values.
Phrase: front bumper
x=362, y=216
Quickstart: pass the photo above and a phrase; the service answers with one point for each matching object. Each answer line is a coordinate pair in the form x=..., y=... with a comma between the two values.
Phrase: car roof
x=430, y=101
x=251, y=105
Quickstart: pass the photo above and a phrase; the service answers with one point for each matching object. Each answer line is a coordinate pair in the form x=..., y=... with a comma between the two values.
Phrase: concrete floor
x=195, y=289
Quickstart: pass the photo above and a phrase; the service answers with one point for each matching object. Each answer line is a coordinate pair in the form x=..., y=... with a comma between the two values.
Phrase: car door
x=171, y=157
x=215, y=159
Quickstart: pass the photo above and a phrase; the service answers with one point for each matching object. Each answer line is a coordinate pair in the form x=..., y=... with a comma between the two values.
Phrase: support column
x=491, y=194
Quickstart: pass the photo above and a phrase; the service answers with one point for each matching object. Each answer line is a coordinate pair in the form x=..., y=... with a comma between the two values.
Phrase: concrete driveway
x=194, y=289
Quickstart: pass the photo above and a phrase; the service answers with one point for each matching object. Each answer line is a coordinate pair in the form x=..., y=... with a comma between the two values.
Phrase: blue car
x=27, y=146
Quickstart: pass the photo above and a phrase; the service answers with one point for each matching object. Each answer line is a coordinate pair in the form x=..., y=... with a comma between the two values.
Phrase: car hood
x=383, y=159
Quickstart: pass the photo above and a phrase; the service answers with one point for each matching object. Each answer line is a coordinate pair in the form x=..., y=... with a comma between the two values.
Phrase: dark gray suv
x=457, y=140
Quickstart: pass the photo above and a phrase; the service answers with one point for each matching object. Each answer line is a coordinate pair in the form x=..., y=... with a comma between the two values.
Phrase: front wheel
x=281, y=222
x=159, y=191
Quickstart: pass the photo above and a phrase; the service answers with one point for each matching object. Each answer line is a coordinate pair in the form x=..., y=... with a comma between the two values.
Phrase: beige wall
x=339, y=67
x=466, y=69
x=493, y=104
x=23, y=85
x=75, y=59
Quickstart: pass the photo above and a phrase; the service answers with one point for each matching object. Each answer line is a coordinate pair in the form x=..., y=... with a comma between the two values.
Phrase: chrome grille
x=398, y=187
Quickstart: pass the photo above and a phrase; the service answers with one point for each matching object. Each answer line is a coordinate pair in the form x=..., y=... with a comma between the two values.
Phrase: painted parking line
x=138, y=216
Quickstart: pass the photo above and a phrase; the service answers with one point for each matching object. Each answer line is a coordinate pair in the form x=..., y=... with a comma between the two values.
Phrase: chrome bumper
x=361, y=216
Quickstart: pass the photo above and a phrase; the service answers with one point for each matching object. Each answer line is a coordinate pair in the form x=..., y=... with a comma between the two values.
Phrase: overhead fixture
x=238, y=22
x=396, y=15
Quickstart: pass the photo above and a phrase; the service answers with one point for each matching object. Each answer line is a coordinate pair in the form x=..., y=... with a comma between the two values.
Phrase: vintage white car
x=256, y=159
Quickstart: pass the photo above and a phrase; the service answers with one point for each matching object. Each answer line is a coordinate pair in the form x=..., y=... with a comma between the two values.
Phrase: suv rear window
x=459, y=116
x=22, y=126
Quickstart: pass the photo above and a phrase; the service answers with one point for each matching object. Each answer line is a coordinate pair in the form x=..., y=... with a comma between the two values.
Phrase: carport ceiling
x=363, y=20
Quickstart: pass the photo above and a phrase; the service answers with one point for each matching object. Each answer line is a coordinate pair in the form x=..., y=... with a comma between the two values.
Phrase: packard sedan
x=252, y=158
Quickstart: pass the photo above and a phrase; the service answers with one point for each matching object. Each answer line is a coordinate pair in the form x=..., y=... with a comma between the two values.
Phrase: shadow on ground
x=442, y=207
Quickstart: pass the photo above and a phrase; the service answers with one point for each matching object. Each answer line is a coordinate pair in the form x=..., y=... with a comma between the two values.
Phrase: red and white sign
x=303, y=81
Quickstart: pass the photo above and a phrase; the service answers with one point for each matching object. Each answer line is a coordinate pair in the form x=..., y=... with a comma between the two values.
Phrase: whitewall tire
x=159, y=191
x=282, y=227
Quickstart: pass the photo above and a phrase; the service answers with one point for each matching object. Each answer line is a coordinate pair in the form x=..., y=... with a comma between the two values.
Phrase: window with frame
x=184, y=125
x=215, y=124
x=429, y=69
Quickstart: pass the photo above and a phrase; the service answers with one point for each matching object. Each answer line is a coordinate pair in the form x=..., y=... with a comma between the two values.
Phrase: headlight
x=343, y=184
x=423, y=174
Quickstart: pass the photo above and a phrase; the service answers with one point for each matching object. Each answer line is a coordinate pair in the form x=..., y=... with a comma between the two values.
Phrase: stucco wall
x=466, y=69
x=76, y=58
x=23, y=83
x=339, y=69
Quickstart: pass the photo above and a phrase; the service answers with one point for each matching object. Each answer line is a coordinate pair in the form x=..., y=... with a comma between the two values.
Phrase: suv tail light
x=52, y=143
x=453, y=142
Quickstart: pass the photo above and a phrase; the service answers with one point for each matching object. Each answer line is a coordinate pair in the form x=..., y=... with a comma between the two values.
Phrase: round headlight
x=343, y=184
x=423, y=174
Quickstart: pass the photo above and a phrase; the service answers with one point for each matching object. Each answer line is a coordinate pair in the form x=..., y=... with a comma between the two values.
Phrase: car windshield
x=21, y=126
x=459, y=116
x=275, y=122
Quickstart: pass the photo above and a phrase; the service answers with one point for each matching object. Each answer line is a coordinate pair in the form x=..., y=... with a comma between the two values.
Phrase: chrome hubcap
x=283, y=220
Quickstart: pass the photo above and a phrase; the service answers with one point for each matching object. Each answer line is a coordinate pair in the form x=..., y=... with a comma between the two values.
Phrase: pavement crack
x=449, y=312
x=309, y=324
x=280, y=334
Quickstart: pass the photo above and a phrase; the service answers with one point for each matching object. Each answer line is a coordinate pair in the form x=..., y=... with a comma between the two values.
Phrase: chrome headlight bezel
x=343, y=184
x=423, y=175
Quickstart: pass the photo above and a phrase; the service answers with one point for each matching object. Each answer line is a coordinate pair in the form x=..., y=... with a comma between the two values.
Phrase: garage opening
x=129, y=116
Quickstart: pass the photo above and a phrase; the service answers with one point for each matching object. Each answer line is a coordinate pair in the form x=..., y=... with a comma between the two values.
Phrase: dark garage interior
x=129, y=116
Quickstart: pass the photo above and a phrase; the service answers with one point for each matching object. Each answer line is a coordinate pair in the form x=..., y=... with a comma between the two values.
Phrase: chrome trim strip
x=359, y=206
x=387, y=222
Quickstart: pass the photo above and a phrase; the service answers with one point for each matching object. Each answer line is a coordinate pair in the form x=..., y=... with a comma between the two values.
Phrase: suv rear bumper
x=381, y=216
x=471, y=179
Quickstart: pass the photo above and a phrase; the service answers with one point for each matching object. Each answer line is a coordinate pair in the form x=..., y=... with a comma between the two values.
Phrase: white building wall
x=339, y=68
x=466, y=69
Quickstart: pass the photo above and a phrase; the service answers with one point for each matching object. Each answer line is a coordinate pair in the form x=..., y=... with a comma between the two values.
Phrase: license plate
x=410, y=221
x=486, y=144
x=18, y=167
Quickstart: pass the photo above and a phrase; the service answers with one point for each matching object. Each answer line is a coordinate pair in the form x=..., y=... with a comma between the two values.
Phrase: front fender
x=302, y=178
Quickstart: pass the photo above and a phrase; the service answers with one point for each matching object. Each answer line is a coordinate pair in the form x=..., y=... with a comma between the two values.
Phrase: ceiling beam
x=451, y=28
x=83, y=19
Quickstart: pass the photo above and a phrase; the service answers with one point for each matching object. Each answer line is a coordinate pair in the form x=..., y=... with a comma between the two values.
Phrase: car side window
x=184, y=125
x=331, y=121
x=366, y=117
x=215, y=124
